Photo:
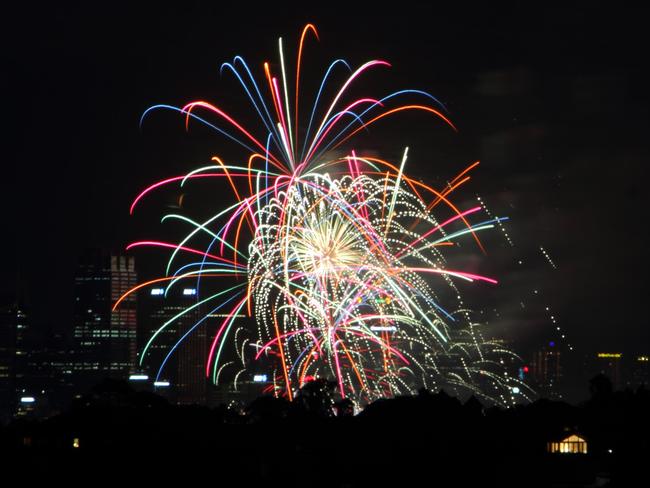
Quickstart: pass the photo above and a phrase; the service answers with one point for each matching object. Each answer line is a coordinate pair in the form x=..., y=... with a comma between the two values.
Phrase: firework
x=346, y=275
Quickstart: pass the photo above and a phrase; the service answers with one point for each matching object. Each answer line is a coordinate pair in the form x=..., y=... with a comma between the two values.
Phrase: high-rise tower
x=104, y=342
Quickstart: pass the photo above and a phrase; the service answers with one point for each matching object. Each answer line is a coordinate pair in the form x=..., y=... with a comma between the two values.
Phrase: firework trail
x=343, y=256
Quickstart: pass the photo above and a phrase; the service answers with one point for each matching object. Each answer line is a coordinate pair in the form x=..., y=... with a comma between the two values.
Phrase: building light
x=643, y=359
x=161, y=384
x=189, y=291
x=138, y=377
x=157, y=291
x=609, y=355
x=571, y=445
x=75, y=442
x=259, y=378
x=27, y=399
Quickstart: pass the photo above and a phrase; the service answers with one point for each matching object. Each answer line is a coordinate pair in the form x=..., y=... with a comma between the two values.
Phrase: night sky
x=553, y=102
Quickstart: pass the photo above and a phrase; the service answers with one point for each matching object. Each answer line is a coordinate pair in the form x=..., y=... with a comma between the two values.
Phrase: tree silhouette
x=267, y=409
x=316, y=398
x=600, y=386
x=344, y=408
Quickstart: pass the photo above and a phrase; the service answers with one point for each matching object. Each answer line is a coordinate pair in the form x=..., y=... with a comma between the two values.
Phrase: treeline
x=417, y=440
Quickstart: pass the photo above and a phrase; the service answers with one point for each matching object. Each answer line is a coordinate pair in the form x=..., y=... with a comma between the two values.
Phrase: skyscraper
x=180, y=358
x=609, y=364
x=13, y=357
x=640, y=371
x=546, y=370
x=104, y=342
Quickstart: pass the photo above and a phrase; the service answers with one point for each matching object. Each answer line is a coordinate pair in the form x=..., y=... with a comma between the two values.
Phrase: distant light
x=160, y=384
x=515, y=389
x=75, y=442
x=138, y=377
x=157, y=291
x=610, y=354
x=260, y=378
x=378, y=328
x=189, y=291
x=552, y=343
x=643, y=359
x=609, y=451
x=526, y=369
x=27, y=400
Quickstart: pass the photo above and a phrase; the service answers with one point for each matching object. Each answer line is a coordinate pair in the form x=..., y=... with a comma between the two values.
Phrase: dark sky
x=554, y=102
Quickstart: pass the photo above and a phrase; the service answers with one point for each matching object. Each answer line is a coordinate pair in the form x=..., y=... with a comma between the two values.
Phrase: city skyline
x=39, y=379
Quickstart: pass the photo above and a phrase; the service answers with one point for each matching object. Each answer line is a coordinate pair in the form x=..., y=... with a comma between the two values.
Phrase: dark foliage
x=314, y=441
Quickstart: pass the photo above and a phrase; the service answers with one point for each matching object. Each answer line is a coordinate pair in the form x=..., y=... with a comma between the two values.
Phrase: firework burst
x=346, y=274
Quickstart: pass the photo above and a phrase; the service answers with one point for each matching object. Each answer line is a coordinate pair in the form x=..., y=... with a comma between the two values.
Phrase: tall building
x=104, y=342
x=546, y=371
x=50, y=367
x=13, y=357
x=180, y=356
x=609, y=364
x=640, y=374
x=35, y=368
x=191, y=379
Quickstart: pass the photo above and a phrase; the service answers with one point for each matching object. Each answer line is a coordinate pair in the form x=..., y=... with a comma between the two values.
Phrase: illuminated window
x=571, y=445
